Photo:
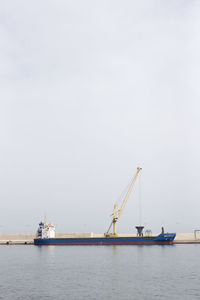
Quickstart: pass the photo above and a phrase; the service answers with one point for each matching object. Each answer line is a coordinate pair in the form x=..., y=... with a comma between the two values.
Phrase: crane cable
x=140, y=201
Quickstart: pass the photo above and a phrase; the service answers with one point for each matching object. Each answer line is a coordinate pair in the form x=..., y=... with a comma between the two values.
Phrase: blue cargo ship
x=46, y=236
x=46, y=232
x=161, y=239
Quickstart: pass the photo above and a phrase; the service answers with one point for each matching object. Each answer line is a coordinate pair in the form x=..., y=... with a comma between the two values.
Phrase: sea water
x=100, y=272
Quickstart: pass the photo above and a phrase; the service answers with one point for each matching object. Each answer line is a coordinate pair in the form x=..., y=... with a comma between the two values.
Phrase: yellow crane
x=117, y=213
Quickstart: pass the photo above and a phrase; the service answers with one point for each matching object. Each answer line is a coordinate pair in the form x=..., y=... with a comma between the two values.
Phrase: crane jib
x=117, y=213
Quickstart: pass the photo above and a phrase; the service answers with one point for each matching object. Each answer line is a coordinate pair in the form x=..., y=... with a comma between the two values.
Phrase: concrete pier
x=17, y=239
x=27, y=239
x=187, y=238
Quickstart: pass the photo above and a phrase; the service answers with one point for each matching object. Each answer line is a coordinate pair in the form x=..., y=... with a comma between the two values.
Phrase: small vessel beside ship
x=46, y=232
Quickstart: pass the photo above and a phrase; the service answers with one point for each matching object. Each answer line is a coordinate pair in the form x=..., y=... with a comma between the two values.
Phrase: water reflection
x=46, y=251
x=115, y=250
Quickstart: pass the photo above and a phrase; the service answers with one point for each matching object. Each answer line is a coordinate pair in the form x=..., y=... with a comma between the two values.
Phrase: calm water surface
x=100, y=272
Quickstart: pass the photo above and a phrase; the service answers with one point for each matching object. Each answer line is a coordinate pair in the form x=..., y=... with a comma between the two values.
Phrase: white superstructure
x=45, y=231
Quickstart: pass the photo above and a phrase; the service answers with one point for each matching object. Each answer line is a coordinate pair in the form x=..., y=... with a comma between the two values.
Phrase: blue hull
x=161, y=239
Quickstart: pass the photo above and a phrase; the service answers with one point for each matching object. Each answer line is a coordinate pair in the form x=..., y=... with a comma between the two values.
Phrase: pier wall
x=27, y=238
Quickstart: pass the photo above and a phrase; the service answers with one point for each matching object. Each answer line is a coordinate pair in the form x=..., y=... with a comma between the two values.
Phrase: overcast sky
x=89, y=91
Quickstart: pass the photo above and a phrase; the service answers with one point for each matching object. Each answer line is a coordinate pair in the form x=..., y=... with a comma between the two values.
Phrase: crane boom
x=117, y=213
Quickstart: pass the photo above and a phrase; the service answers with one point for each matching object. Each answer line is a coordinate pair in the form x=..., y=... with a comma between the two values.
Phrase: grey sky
x=89, y=91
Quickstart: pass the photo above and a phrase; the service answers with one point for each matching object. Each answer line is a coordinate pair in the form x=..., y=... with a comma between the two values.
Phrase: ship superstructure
x=45, y=231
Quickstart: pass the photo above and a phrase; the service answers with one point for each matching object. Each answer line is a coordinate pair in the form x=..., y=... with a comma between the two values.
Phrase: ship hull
x=162, y=239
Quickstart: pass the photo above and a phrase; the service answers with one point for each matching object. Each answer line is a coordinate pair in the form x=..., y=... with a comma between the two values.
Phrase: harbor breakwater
x=27, y=238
